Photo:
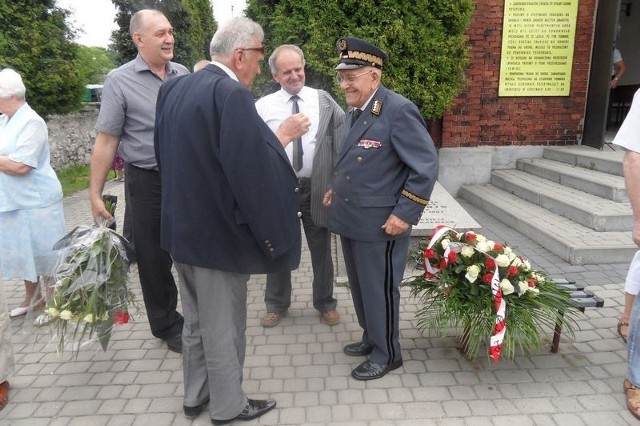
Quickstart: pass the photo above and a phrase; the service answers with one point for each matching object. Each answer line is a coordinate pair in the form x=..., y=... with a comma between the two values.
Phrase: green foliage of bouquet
x=91, y=292
x=456, y=289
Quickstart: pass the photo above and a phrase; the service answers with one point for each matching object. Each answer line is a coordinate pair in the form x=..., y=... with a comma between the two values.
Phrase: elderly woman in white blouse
x=31, y=214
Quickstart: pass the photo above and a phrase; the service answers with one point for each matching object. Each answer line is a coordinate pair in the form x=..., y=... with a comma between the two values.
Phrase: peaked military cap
x=356, y=53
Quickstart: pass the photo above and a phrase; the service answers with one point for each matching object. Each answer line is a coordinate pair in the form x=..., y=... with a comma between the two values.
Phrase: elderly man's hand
x=326, y=200
x=292, y=128
x=395, y=226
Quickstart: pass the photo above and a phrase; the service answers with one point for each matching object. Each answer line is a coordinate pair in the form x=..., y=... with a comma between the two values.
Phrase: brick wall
x=479, y=117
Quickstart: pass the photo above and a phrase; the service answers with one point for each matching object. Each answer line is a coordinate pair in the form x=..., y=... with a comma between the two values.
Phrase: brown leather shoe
x=4, y=394
x=271, y=319
x=331, y=317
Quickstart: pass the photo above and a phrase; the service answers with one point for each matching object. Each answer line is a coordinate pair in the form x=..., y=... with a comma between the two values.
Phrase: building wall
x=479, y=117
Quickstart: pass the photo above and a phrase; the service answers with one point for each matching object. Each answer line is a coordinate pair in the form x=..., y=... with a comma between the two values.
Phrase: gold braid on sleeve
x=415, y=198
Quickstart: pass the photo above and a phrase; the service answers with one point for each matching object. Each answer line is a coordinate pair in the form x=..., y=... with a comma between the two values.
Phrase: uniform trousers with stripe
x=375, y=270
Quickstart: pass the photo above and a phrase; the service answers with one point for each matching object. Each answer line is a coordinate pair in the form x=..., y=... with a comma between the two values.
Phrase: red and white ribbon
x=495, y=343
x=439, y=233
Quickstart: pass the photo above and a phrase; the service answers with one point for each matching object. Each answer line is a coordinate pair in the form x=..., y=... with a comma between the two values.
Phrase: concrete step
x=599, y=214
x=607, y=160
x=602, y=184
x=571, y=241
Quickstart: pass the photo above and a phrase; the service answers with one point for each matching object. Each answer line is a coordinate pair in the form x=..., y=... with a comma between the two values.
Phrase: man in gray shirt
x=126, y=124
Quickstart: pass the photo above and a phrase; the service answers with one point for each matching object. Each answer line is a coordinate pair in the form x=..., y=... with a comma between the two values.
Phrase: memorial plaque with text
x=443, y=209
x=537, y=47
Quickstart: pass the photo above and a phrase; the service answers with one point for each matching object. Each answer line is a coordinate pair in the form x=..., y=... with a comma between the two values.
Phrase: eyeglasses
x=257, y=49
x=350, y=78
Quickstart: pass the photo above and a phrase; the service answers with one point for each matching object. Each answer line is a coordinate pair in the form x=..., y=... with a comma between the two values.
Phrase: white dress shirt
x=276, y=107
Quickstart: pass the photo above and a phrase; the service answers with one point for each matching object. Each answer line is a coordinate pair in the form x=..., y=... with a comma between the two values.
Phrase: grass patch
x=74, y=179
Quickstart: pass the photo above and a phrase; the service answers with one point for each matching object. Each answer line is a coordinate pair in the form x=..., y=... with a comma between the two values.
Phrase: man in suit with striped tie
x=312, y=158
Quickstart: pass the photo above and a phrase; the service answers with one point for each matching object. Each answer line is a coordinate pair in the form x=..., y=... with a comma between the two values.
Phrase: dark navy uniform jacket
x=387, y=164
x=229, y=194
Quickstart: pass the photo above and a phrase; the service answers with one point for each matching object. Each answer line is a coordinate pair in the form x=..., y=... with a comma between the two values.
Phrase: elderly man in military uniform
x=385, y=172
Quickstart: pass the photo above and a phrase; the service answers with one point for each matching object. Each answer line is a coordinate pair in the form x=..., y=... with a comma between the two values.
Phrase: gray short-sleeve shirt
x=128, y=109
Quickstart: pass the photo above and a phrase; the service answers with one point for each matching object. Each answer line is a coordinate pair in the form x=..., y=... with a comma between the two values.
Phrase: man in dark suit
x=229, y=209
x=386, y=170
x=312, y=157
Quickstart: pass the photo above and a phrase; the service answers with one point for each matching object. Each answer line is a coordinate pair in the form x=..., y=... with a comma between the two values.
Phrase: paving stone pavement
x=300, y=364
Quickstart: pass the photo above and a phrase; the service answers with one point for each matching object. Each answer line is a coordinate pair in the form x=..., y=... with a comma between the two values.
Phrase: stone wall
x=71, y=137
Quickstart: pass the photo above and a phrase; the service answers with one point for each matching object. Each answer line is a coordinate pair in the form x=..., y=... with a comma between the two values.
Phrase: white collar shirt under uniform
x=276, y=107
x=364, y=106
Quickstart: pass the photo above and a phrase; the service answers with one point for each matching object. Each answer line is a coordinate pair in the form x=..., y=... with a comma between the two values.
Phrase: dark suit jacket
x=387, y=164
x=229, y=197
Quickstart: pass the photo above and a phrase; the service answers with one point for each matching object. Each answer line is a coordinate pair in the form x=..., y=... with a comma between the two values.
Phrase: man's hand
x=292, y=128
x=394, y=225
x=104, y=150
x=631, y=168
x=326, y=200
x=99, y=211
x=635, y=233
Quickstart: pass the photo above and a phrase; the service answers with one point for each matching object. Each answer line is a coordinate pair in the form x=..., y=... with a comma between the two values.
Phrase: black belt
x=304, y=180
x=143, y=170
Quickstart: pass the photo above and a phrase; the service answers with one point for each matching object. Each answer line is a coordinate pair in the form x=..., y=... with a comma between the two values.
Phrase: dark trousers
x=277, y=296
x=375, y=270
x=126, y=229
x=159, y=289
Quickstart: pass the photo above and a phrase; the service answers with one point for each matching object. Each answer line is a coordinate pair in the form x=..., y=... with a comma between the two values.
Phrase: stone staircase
x=572, y=201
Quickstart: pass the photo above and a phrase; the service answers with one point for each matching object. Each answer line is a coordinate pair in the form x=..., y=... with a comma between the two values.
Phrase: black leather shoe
x=357, y=349
x=175, y=343
x=193, y=412
x=254, y=408
x=369, y=370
